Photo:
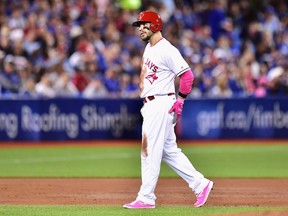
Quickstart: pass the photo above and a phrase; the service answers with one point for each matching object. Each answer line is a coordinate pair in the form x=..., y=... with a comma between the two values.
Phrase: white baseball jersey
x=160, y=64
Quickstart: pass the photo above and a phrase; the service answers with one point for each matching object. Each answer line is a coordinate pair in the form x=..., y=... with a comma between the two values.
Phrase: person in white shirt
x=161, y=64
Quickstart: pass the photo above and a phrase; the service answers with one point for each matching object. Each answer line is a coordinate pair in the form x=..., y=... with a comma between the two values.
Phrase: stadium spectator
x=129, y=86
x=44, y=88
x=96, y=89
x=80, y=79
x=62, y=83
x=10, y=81
x=112, y=80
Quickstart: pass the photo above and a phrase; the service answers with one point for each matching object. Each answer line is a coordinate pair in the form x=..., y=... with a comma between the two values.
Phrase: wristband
x=182, y=95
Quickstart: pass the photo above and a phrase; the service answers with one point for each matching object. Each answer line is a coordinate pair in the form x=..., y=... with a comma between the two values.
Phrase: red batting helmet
x=149, y=17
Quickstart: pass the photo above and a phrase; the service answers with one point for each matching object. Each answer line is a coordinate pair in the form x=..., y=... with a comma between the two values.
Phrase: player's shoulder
x=165, y=42
x=167, y=45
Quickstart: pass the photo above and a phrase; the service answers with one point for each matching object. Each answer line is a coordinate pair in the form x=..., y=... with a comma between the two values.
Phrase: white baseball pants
x=159, y=143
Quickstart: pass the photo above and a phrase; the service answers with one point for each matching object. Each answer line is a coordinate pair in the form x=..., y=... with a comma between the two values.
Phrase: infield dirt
x=113, y=191
x=170, y=192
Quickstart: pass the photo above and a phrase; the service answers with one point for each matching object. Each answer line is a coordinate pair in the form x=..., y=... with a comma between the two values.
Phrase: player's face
x=145, y=32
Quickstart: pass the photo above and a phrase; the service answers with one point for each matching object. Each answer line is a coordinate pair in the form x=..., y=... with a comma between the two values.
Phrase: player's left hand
x=177, y=108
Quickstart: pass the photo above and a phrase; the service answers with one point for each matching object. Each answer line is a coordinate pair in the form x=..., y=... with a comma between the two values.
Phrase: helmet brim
x=138, y=23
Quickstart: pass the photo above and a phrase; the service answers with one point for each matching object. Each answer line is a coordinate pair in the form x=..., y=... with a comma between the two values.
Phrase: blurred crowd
x=88, y=48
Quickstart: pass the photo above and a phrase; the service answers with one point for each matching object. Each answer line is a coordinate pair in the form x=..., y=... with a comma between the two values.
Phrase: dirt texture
x=170, y=192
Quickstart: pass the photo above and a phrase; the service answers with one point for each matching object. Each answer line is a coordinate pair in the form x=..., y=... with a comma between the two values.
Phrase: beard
x=146, y=38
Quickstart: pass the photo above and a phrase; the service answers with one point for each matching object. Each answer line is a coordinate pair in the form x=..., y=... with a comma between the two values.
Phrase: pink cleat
x=203, y=195
x=137, y=204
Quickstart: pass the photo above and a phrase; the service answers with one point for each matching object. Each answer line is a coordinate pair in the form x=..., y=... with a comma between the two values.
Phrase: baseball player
x=161, y=63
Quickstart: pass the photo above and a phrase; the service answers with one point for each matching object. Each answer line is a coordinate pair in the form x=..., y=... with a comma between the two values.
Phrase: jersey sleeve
x=175, y=61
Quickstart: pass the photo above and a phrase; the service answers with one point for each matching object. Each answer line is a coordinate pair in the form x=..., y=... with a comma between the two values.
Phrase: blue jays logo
x=153, y=67
x=151, y=78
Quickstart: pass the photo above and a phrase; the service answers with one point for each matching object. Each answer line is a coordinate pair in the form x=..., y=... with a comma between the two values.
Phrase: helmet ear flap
x=155, y=27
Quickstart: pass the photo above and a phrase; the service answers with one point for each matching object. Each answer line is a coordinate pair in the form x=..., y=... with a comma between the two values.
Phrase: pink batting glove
x=177, y=108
